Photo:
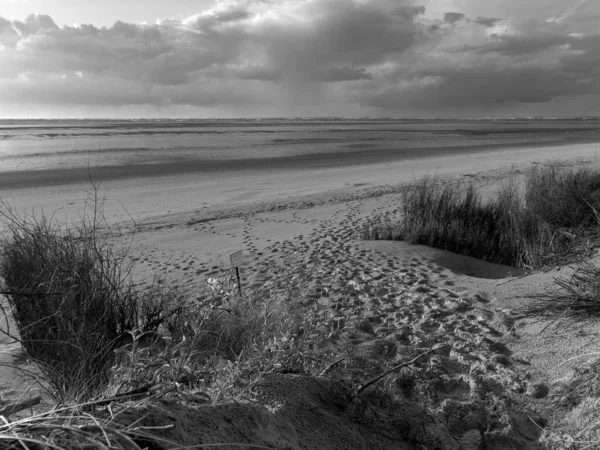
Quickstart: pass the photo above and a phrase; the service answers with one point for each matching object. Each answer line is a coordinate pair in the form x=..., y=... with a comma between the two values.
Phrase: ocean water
x=148, y=146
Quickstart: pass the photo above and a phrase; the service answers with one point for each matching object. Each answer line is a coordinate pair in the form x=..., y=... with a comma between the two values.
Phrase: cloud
x=345, y=73
x=302, y=56
x=487, y=21
x=300, y=37
x=453, y=17
x=35, y=23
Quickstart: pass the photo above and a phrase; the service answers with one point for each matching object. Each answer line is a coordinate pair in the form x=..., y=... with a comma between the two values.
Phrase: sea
x=146, y=146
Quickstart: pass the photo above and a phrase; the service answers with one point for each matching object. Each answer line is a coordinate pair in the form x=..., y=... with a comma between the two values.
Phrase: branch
x=393, y=369
x=330, y=367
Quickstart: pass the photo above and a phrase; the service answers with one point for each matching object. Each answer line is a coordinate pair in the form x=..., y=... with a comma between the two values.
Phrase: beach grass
x=71, y=294
x=549, y=216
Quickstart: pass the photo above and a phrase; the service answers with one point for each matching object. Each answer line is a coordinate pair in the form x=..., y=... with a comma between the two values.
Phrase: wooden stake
x=239, y=280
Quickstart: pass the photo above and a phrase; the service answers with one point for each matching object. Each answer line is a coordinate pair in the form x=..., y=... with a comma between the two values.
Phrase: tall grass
x=71, y=293
x=564, y=197
x=528, y=225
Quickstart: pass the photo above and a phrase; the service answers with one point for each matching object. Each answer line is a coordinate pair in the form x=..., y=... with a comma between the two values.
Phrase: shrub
x=71, y=294
x=460, y=220
x=554, y=214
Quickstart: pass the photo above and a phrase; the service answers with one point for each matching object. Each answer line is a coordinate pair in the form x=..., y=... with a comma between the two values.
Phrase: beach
x=306, y=208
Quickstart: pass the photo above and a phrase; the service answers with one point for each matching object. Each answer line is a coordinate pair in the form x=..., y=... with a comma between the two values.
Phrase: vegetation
x=94, y=332
x=66, y=429
x=551, y=215
x=576, y=296
x=72, y=297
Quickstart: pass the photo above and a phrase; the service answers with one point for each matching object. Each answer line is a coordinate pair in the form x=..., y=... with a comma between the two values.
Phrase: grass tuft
x=549, y=217
x=577, y=296
x=72, y=297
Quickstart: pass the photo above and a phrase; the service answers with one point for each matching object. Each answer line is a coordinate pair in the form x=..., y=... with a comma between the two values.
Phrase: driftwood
x=12, y=408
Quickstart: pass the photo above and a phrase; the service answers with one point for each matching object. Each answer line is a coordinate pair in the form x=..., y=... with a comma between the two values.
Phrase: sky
x=299, y=58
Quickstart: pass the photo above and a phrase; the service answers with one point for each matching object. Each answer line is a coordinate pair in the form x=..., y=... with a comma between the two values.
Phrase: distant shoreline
x=25, y=179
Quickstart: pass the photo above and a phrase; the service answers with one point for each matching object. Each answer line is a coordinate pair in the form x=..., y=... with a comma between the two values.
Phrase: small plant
x=151, y=362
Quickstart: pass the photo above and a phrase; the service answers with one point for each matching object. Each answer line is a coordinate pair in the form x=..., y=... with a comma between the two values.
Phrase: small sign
x=237, y=259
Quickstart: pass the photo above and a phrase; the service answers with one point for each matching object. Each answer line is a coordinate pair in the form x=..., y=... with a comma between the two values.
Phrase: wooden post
x=237, y=259
x=239, y=280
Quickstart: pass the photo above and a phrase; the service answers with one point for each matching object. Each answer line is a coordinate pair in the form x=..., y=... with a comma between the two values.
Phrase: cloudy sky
x=248, y=58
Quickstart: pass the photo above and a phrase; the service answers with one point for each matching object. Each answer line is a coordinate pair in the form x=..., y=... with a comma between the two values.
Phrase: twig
x=12, y=408
x=331, y=366
x=393, y=369
x=157, y=427
x=555, y=320
x=513, y=279
x=451, y=291
x=29, y=294
x=141, y=391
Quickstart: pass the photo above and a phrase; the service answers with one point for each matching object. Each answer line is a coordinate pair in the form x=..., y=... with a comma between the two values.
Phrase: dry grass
x=71, y=295
x=576, y=296
x=553, y=216
x=69, y=429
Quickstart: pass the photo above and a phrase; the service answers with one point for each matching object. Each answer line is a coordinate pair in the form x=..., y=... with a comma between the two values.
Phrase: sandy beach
x=188, y=224
x=232, y=223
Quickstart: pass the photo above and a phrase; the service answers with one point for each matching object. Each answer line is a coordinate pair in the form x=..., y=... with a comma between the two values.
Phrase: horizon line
x=305, y=118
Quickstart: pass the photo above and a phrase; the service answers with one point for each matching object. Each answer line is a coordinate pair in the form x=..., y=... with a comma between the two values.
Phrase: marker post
x=237, y=259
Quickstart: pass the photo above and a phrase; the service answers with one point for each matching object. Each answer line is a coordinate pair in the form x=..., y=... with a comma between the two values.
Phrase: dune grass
x=552, y=214
x=71, y=294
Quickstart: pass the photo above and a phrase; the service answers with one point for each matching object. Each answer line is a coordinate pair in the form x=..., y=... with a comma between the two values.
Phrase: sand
x=187, y=225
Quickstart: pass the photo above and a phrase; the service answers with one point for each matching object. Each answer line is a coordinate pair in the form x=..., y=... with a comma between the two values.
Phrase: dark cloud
x=468, y=88
x=486, y=21
x=453, y=17
x=335, y=32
